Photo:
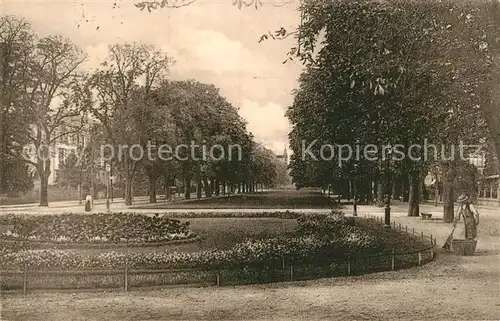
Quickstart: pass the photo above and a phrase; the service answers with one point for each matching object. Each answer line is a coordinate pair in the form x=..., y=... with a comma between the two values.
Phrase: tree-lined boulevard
x=416, y=82
x=48, y=96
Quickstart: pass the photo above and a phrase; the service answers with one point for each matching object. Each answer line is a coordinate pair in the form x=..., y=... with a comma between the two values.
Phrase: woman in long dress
x=470, y=216
x=88, y=203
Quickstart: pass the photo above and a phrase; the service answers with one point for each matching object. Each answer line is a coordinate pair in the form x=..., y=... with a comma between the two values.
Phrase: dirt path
x=451, y=288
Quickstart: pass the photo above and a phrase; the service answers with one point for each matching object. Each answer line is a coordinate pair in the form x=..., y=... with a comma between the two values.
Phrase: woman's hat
x=463, y=198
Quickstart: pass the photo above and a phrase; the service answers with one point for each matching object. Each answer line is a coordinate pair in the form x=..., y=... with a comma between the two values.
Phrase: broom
x=447, y=244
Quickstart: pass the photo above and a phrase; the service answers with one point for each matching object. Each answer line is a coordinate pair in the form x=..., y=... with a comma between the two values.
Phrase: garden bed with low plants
x=323, y=245
x=95, y=230
x=319, y=239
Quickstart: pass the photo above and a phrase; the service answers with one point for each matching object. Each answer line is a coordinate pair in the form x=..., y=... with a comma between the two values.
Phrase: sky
x=211, y=41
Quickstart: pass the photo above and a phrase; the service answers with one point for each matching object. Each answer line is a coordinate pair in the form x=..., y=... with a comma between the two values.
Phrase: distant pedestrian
x=88, y=203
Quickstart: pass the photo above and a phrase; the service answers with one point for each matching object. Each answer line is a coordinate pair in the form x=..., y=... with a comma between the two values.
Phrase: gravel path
x=451, y=288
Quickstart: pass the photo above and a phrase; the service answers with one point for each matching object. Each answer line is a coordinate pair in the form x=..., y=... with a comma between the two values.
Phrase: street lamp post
x=355, y=187
x=436, y=192
x=355, y=191
x=108, y=170
x=111, y=181
x=388, y=187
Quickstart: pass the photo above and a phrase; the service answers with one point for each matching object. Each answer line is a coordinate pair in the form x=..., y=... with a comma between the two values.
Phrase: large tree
x=50, y=100
x=128, y=75
x=16, y=41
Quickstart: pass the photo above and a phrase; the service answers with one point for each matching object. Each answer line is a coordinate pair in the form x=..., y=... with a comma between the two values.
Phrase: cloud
x=211, y=42
x=267, y=123
x=211, y=50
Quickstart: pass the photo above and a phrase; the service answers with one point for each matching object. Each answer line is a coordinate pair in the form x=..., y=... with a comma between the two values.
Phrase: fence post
x=422, y=234
x=126, y=276
x=413, y=230
x=25, y=278
x=406, y=229
x=126, y=263
x=432, y=241
x=218, y=278
x=419, y=258
x=348, y=267
x=291, y=272
x=394, y=224
x=393, y=260
x=432, y=252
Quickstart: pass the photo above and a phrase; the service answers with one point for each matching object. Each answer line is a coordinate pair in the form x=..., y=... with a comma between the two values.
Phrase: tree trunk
x=152, y=178
x=217, y=188
x=128, y=189
x=380, y=193
x=405, y=187
x=198, y=188
x=449, y=193
x=128, y=180
x=397, y=188
x=187, y=188
x=44, y=187
x=414, y=195
x=369, y=194
x=207, y=187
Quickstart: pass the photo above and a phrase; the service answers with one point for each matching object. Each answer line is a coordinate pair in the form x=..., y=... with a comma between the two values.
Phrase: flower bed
x=320, y=239
x=95, y=228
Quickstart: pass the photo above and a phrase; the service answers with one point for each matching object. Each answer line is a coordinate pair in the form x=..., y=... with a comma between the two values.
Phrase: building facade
x=58, y=154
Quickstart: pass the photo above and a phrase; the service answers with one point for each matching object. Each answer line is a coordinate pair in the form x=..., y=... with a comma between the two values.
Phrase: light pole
x=436, y=191
x=388, y=187
x=355, y=191
x=108, y=170
x=355, y=187
x=92, y=171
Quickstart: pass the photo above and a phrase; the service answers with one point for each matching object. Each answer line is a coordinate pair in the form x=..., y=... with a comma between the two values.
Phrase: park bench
x=426, y=216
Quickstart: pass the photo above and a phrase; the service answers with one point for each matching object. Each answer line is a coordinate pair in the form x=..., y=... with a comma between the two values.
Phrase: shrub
x=102, y=227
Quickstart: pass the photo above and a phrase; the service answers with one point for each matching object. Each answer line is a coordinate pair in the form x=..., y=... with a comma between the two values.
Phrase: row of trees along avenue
x=48, y=93
x=395, y=72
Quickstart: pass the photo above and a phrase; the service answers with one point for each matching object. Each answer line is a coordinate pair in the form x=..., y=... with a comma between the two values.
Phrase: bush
x=77, y=228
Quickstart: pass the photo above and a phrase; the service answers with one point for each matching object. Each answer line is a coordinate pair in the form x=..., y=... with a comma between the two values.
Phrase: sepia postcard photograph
x=249, y=160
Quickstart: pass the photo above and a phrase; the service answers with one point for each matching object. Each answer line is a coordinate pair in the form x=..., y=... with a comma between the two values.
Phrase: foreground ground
x=451, y=288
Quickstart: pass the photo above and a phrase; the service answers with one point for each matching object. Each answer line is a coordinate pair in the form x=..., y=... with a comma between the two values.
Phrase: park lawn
x=290, y=199
x=223, y=233
x=214, y=233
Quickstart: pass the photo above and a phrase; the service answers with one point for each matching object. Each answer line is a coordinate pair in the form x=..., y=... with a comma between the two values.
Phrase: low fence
x=286, y=270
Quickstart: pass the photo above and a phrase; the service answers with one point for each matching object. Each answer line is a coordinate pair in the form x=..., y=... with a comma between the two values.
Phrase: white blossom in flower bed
x=96, y=228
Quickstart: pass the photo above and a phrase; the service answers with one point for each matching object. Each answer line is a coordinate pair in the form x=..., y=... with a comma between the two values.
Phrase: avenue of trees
x=47, y=95
x=392, y=72
x=396, y=72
